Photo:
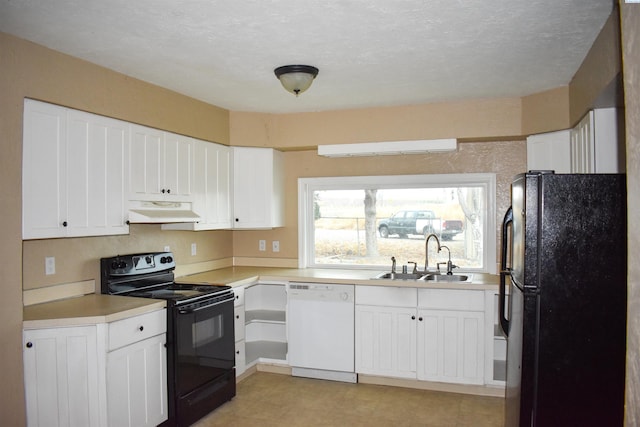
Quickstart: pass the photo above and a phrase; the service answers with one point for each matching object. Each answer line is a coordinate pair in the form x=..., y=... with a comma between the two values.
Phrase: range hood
x=150, y=212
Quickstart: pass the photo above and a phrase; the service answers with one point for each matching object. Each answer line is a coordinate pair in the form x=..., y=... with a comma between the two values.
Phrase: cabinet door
x=451, y=346
x=137, y=383
x=97, y=149
x=44, y=170
x=258, y=187
x=61, y=377
x=145, y=163
x=177, y=157
x=386, y=341
x=213, y=184
x=550, y=151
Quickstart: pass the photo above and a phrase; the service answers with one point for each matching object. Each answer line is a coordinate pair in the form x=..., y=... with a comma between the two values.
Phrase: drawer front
x=133, y=329
x=239, y=296
x=451, y=299
x=387, y=296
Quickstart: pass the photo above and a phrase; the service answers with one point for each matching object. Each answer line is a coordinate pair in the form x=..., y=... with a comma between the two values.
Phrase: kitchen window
x=361, y=222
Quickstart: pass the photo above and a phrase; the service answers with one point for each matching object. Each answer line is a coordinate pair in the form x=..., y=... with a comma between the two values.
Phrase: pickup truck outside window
x=370, y=219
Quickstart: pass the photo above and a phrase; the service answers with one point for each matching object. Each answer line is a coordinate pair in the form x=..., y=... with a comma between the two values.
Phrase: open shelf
x=265, y=316
x=255, y=350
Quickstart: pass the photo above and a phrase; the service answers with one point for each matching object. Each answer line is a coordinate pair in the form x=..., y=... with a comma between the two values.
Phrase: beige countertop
x=238, y=276
x=89, y=309
x=97, y=308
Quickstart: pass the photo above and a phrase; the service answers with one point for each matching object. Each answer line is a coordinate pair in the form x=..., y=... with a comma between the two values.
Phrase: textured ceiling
x=369, y=52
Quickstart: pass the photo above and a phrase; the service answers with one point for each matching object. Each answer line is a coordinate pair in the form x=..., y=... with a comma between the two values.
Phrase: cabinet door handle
x=413, y=317
x=141, y=328
x=29, y=344
x=420, y=319
x=64, y=223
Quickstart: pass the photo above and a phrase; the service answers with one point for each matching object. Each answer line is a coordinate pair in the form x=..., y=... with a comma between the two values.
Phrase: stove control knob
x=169, y=259
x=147, y=259
x=122, y=264
x=114, y=265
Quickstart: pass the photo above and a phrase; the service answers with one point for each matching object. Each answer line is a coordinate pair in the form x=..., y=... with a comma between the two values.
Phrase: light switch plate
x=275, y=246
x=262, y=245
x=194, y=249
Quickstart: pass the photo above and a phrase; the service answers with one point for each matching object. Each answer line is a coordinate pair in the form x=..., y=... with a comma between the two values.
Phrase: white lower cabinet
x=61, y=369
x=386, y=331
x=451, y=336
x=386, y=341
x=424, y=334
x=136, y=377
x=110, y=374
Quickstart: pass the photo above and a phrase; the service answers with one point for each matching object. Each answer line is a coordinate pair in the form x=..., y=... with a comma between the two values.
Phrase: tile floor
x=266, y=400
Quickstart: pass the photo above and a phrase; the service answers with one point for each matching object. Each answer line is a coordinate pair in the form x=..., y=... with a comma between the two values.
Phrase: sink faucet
x=393, y=265
x=450, y=265
x=426, y=250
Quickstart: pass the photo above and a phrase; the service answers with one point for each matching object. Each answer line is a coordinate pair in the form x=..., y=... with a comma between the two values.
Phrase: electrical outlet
x=194, y=249
x=167, y=249
x=275, y=246
x=262, y=245
x=49, y=265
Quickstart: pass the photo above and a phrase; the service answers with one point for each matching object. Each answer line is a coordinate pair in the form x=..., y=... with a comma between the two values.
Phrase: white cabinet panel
x=160, y=165
x=61, y=377
x=44, y=170
x=136, y=384
x=211, y=187
x=97, y=179
x=451, y=346
x=550, y=151
x=598, y=142
x=386, y=341
x=258, y=188
x=74, y=177
x=177, y=161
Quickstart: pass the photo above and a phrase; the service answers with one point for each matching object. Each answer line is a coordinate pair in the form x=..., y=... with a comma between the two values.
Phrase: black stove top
x=150, y=275
x=180, y=292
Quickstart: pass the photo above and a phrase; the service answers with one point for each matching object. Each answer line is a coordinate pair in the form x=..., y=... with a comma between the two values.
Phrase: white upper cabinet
x=550, y=151
x=211, y=169
x=160, y=165
x=74, y=175
x=258, y=188
x=597, y=142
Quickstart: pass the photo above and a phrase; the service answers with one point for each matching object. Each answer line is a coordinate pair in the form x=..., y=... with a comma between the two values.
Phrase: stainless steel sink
x=447, y=278
x=399, y=276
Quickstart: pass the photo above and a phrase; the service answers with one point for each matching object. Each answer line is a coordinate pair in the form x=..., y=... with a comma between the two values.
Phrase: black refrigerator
x=564, y=258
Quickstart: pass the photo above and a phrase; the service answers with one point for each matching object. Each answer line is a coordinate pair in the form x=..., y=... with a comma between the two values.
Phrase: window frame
x=307, y=186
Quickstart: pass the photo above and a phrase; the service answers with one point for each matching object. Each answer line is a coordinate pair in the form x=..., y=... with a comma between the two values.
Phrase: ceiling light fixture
x=296, y=78
x=388, y=148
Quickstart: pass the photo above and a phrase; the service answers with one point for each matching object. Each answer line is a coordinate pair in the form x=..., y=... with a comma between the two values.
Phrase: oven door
x=205, y=347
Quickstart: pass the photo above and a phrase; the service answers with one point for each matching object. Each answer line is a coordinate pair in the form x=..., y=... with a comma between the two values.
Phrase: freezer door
x=518, y=228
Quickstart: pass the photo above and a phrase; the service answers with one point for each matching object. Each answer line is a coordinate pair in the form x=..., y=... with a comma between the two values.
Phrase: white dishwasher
x=321, y=330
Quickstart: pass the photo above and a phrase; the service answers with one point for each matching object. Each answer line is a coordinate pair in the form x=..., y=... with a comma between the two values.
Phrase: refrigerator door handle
x=504, y=271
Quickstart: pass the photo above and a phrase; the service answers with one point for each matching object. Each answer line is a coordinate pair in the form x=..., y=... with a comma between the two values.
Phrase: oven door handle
x=187, y=310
